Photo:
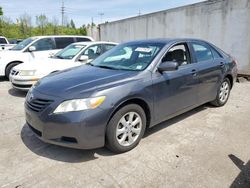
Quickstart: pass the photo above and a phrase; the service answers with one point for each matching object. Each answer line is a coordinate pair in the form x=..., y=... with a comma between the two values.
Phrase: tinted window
x=202, y=52
x=82, y=39
x=44, y=44
x=63, y=42
x=179, y=53
x=93, y=51
x=3, y=41
x=23, y=44
x=107, y=47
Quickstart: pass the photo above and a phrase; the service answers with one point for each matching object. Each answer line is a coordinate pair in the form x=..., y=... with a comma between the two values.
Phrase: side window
x=44, y=44
x=202, y=52
x=178, y=53
x=62, y=42
x=3, y=40
x=216, y=54
x=82, y=39
x=107, y=47
x=93, y=51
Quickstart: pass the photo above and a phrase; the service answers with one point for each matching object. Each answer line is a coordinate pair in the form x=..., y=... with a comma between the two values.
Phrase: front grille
x=14, y=72
x=22, y=86
x=38, y=105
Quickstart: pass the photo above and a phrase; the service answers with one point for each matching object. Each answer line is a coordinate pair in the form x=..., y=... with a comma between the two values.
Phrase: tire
x=8, y=69
x=220, y=101
x=118, y=129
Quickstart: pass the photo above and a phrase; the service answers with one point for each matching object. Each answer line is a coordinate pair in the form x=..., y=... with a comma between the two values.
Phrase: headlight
x=79, y=104
x=27, y=72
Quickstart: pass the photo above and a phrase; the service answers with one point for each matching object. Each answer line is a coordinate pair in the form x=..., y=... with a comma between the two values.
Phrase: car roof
x=87, y=43
x=56, y=36
x=165, y=40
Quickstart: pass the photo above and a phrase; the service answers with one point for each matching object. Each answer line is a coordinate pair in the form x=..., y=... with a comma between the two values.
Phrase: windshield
x=70, y=51
x=134, y=57
x=23, y=44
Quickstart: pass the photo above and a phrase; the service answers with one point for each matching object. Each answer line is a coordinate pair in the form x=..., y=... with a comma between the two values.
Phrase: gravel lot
x=206, y=147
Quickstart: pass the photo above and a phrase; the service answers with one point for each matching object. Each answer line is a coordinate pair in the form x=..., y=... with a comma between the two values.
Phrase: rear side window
x=3, y=41
x=82, y=39
x=202, y=52
x=44, y=44
x=62, y=42
x=216, y=54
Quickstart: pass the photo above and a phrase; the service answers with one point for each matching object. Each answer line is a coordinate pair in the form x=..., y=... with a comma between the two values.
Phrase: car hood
x=40, y=64
x=82, y=81
x=7, y=54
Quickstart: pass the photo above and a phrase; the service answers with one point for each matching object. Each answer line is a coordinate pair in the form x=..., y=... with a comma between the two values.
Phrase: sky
x=83, y=11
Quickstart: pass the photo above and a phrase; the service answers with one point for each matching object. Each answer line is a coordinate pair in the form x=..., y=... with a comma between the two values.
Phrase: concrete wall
x=226, y=23
x=93, y=31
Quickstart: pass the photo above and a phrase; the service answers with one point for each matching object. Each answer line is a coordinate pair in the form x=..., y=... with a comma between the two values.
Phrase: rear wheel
x=223, y=93
x=126, y=128
x=8, y=69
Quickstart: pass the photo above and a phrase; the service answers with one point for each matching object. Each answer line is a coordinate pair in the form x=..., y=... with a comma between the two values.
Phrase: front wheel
x=9, y=68
x=126, y=128
x=223, y=93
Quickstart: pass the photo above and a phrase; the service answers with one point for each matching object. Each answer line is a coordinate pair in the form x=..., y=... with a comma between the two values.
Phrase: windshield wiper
x=105, y=67
x=59, y=57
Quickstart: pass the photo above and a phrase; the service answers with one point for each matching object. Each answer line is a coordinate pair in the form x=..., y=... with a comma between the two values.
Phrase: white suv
x=35, y=47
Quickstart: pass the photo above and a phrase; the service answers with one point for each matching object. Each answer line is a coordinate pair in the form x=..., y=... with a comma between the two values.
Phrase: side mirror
x=32, y=48
x=83, y=58
x=168, y=66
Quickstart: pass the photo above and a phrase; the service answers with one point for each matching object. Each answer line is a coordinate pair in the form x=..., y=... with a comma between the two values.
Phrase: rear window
x=3, y=41
x=63, y=42
x=82, y=39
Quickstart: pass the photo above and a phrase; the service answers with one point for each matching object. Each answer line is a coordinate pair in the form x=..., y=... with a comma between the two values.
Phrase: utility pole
x=101, y=14
x=139, y=13
x=63, y=12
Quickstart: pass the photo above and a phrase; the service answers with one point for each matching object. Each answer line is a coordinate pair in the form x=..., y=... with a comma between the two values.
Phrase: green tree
x=83, y=30
x=25, y=25
x=72, y=24
x=42, y=22
x=1, y=11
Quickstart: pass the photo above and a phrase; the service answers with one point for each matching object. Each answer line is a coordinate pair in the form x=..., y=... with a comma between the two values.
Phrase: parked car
x=4, y=44
x=35, y=47
x=23, y=76
x=112, y=101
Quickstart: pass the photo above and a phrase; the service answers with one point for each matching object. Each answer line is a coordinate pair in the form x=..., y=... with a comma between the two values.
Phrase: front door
x=175, y=91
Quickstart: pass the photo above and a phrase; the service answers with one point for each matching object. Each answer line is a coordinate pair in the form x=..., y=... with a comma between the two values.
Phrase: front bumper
x=82, y=130
x=23, y=82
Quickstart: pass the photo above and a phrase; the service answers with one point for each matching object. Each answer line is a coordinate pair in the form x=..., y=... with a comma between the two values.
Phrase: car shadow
x=243, y=178
x=59, y=153
x=175, y=120
x=71, y=155
x=3, y=79
x=17, y=93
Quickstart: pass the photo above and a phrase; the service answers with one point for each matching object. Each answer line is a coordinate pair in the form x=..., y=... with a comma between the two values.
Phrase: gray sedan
x=134, y=86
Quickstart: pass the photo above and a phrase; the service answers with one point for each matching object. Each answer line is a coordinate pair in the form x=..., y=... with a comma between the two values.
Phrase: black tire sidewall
x=8, y=69
x=111, y=141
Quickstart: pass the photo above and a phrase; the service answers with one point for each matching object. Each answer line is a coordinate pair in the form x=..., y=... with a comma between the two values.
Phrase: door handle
x=194, y=72
x=222, y=64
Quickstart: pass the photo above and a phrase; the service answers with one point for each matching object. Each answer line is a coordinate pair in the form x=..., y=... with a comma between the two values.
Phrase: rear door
x=175, y=91
x=210, y=70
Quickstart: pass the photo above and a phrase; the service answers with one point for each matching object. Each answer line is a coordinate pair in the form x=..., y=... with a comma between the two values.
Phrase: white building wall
x=226, y=23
